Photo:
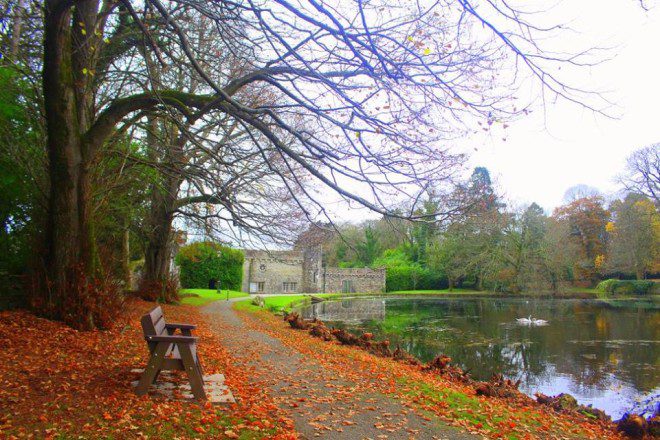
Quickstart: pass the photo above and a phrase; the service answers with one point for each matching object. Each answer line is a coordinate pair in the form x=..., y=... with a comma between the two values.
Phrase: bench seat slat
x=159, y=326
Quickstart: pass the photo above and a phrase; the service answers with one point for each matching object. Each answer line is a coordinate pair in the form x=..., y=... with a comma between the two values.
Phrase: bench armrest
x=176, y=325
x=172, y=339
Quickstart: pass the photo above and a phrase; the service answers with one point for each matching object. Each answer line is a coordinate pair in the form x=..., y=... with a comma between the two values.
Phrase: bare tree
x=580, y=191
x=368, y=92
x=643, y=173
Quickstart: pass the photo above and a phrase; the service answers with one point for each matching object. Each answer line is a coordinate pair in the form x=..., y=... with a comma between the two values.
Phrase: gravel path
x=320, y=404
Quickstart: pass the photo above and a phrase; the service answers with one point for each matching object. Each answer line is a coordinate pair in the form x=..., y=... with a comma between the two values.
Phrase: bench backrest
x=153, y=324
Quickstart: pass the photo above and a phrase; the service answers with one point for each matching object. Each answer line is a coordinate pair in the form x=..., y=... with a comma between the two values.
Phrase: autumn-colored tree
x=586, y=219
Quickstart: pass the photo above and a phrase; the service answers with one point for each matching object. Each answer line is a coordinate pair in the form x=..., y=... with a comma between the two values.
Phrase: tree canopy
x=234, y=118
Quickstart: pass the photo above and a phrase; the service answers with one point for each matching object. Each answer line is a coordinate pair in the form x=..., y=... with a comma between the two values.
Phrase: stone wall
x=273, y=269
x=354, y=280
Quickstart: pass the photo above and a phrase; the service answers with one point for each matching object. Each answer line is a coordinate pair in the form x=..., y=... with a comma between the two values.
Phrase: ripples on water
x=605, y=353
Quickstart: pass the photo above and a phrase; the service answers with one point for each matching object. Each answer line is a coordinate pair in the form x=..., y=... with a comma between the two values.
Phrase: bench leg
x=199, y=366
x=153, y=368
x=193, y=372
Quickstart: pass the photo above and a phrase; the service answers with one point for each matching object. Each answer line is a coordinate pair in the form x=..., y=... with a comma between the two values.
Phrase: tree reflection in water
x=605, y=353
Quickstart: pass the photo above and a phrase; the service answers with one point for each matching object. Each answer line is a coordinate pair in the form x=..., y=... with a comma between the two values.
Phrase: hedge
x=203, y=261
x=403, y=274
x=628, y=287
x=411, y=277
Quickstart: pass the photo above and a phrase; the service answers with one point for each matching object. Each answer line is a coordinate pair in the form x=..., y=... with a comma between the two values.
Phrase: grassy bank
x=281, y=302
x=457, y=292
x=201, y=297
x=573, y=292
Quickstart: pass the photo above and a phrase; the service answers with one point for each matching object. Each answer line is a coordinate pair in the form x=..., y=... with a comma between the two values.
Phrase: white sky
x=548, y=152
x=564, y=145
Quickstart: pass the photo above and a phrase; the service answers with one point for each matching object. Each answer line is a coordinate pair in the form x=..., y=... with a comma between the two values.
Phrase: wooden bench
x=170, y=351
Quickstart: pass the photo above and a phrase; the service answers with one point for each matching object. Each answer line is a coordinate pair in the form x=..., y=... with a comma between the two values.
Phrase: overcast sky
x=547, y=152
x=561, y=144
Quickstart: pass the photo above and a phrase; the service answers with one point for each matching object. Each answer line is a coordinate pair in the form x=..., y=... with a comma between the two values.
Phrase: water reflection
x=604, y=353
x=347, y=311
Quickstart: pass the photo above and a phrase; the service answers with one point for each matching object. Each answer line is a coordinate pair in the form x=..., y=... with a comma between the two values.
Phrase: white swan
x=531, y=321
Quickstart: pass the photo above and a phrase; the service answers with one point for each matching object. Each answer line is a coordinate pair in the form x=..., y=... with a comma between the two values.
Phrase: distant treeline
x=489, y=246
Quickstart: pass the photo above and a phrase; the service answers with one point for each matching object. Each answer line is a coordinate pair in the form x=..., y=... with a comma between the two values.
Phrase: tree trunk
x=17, y=25
x=69, y=247
x=157, y=257
x=126, y=256
x=164, y=198
x=479, y=283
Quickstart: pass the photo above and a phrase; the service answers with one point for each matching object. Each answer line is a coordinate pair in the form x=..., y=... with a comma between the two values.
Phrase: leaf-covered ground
x=323, y=402
x=427, y=394
x=56, y=382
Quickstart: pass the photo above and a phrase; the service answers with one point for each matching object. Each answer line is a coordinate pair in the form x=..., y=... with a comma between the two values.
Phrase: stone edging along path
x=334, y=391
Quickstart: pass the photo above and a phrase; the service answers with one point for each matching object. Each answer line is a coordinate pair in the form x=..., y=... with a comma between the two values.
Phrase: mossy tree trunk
x=68, y=99
x=76, y=55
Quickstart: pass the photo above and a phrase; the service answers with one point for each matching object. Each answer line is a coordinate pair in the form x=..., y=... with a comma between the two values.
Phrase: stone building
x=302, y=271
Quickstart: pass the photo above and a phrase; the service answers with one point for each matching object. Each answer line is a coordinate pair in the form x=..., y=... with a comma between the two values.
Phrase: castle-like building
x=303, y=271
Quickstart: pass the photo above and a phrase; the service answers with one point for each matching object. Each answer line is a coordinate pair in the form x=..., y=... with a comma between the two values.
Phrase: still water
x=604, y=353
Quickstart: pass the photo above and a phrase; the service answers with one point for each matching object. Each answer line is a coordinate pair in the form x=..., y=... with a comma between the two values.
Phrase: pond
x=604, y=353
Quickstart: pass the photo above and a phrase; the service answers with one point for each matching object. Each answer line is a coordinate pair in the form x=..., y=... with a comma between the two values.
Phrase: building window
x=261, y=286
x=289, y=287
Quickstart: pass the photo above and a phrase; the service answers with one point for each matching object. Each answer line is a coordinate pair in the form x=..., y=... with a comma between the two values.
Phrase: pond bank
x=588, y=348
x=432, y=395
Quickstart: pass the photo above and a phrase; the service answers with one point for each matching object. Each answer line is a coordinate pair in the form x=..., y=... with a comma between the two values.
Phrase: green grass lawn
x=201, y=297
x=281, y=302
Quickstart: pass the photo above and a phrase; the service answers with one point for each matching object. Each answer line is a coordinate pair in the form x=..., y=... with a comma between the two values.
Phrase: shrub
x=403, y=274
x=88, y=303
x=607, y=285
x=203, y=261
x=628, y=287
